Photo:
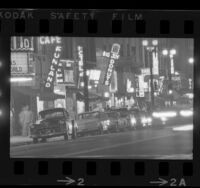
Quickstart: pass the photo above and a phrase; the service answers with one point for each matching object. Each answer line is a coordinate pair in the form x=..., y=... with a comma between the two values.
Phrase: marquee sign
x=22, y=44
x=113, y=55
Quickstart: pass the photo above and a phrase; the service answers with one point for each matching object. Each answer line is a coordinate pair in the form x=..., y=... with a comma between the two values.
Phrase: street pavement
x=149, y=143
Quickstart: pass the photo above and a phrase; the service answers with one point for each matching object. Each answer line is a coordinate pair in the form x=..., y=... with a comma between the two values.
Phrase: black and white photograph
x=101, y=97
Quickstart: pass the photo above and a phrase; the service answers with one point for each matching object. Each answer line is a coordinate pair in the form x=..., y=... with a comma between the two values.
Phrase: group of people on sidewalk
x=25, y=118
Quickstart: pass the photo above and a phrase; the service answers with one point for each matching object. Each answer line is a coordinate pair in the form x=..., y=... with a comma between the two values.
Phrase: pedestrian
x=11, y=122
x=25, y=118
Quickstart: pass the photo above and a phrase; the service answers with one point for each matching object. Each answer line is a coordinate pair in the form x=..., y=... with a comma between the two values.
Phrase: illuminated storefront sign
x=65, y=73
x=145, y=71
x=80, y=60
x=113, y=55
x=155, y=64
x=19, y=63
x=113, y=85
x=94, y=74
x=129, y=87
x=22, y=44
x=53, y=68
x=172, y=66
x=140, y=86
x=50, y=40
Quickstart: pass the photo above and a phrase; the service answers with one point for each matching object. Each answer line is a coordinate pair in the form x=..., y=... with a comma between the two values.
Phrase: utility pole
x=170, y=82
x=85, y=80
x=151, y=77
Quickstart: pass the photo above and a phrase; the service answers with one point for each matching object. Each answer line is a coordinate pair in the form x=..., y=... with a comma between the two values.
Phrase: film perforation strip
x=92, y=26
x=163, y=169
x=67, y=168
x=69, y=27
x=164, y=27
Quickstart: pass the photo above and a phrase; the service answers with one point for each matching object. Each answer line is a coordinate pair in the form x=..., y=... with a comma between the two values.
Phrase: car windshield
x=89, y=115
x=112, y=115
x=51, y=114
x=123, y=114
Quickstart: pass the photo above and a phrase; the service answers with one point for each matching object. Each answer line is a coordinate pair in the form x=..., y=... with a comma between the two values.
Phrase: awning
x=50, y=96
x=37, y=92
x=92, y=97
x=25, y=90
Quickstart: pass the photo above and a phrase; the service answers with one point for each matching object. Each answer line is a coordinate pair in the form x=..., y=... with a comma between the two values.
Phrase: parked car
x=123, y=114
x=93, y=122
x=114, y=118
x=52, y=123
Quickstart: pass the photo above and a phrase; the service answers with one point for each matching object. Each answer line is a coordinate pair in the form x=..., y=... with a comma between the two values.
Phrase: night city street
x=93, y=97
x=163, y=143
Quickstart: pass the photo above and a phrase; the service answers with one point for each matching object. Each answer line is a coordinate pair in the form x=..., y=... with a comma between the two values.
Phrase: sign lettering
x=22, y=44
x=114, y=55
x=53, y=67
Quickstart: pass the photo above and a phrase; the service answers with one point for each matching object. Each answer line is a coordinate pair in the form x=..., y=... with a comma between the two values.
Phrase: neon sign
x=113, y=55
x=50, y=40
x=80, y=61
x=22, y=44
x=53, y=68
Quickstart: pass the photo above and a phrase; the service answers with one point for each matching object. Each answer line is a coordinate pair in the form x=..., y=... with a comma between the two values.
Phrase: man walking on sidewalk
x=26, y=118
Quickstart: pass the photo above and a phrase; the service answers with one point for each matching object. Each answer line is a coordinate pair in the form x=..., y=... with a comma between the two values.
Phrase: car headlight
x=164, y=119
x=108, y=122
x=164, y=114
x=149, y=120
x=133, y=121
x=186, y=113
x=144, y=120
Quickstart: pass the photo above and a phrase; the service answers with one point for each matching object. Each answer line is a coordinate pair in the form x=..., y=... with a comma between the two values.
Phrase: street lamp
x=150, y=48
x=191, y=60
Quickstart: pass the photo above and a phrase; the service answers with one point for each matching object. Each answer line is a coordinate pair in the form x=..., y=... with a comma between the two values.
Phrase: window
x=121, y=50
x=133, y=51
x=128, y=50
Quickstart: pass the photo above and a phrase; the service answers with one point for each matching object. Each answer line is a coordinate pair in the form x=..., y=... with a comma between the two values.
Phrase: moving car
x=172, y=116
x=139, y=119
x=93, y=122
x=52, y=123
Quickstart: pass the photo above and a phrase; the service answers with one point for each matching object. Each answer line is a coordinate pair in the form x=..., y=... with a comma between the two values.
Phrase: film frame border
x=170, y=24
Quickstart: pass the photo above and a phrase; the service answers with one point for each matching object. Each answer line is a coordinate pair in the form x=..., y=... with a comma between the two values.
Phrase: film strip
x=26, y=168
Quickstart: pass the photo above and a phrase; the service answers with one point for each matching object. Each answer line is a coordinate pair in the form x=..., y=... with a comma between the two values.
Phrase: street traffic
x=168, y=142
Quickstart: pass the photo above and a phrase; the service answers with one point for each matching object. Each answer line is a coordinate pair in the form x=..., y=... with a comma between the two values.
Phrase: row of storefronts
x=48, y=72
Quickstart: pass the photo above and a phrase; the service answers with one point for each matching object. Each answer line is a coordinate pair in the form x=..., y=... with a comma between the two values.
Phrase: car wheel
x=75, y=134
x=43, y=140
x=35, y=140
x=66, y=136
x=100, y=130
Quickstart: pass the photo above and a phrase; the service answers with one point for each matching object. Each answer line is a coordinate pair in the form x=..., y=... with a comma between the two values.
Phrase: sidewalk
x=20, y=140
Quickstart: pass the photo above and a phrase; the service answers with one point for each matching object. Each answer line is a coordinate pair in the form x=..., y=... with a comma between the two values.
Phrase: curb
x=20, y=143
